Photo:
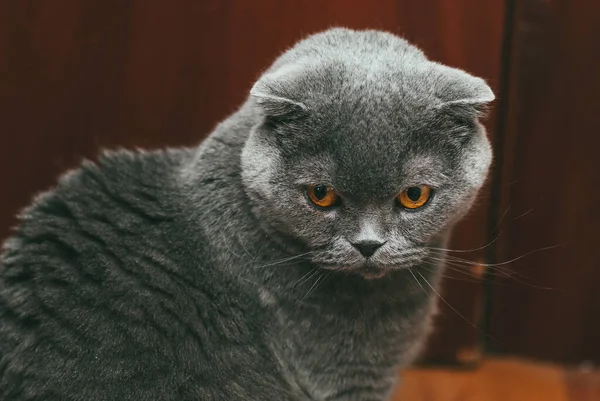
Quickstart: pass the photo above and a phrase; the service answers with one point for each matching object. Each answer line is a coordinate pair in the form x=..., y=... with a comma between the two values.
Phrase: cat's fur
x=206, y=274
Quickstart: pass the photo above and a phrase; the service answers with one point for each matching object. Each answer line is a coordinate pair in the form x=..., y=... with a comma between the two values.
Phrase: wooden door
x=548, y=190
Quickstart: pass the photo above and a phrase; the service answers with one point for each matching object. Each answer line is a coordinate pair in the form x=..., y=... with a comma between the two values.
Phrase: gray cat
x=292, y=256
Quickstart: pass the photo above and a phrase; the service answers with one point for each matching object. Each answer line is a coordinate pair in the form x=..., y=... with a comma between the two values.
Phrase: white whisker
x=470, y=262
x=314, y=286
x=311, y=273
x=285, y=260
x=467, y=250
x=450, y=306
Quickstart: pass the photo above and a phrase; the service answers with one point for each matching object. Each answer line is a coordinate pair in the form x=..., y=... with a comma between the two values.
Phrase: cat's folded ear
x=459, y=93
x=275, y=91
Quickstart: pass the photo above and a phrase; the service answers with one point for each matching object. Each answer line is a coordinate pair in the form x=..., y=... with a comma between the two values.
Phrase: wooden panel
x=551, y=183
x=92, y=74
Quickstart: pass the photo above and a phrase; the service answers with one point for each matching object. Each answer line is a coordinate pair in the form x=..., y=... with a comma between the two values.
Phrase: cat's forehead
x=376, y=147
x=360, y=103
x=365, y=170
x=365, y=94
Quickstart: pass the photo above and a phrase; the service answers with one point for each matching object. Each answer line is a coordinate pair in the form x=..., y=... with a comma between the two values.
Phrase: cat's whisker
x=231, y=250
x=464, y=267
x=244, y=247
x=524, y=214
x=456, y=268
x=460, y=266
x=418, y=282
x=404, y=263
x=502, y=217
x=285, y=260
x=470, y=262
x=225, y=242
x=476, y=279
x=467, y=250
x=249, y=281
x=452, y=307
x=310, y=274
x=432, y=269
x=316, y=283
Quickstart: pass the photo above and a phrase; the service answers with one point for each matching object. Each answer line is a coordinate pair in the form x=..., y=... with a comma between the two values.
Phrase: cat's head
x=367, y=152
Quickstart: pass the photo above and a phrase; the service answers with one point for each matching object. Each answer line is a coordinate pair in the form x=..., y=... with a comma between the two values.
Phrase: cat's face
x=364, y=171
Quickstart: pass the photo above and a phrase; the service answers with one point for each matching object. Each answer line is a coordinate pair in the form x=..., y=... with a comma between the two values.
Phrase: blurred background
x=77, y=76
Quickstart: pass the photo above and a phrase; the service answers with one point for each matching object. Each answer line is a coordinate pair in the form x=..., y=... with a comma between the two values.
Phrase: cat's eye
x=322, y=195
x=414, y=197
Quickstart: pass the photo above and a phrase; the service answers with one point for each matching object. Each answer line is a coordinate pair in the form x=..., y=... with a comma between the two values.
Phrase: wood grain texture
x=550, y=187
x=501, y=380
x=78, y=76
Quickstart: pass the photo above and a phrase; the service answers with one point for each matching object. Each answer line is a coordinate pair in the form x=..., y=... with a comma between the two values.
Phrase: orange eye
x=414, y=197
x=322, y=195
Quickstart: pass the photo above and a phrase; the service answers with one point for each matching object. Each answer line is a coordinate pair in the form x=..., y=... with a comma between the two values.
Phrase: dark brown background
x=77, y=76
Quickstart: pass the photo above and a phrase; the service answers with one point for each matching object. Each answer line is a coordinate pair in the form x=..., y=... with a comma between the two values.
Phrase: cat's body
x=173, y=275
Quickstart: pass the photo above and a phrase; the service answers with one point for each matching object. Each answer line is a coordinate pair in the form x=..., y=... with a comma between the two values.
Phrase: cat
x=293, y=255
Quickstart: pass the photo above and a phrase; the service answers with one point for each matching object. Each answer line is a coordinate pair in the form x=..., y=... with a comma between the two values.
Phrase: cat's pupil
x=320, y=191
x=414, y=193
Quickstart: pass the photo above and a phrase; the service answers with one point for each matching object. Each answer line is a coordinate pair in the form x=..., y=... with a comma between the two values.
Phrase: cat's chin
x=373, y=274
x=368, y=270
x=373, y=271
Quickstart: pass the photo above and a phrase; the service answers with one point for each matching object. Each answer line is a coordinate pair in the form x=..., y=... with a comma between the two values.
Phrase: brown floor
x=501, y=380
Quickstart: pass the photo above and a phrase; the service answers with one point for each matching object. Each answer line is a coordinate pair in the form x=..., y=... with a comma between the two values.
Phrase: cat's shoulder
x=122, y=167
x=113, y=178
x=121, y=191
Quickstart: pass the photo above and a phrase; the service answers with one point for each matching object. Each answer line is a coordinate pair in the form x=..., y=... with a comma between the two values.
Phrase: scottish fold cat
x=287, y=257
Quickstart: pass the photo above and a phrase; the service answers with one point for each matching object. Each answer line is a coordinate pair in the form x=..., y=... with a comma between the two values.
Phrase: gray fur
x=206, y=274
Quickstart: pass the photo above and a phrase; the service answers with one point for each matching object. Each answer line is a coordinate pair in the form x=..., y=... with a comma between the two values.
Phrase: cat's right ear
x=459, y=92
x=274, y=94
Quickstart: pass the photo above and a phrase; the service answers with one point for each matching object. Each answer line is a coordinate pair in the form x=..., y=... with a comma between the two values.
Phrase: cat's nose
x=367, y=248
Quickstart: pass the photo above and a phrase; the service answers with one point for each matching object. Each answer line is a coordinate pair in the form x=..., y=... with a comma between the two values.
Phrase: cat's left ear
x=460, y=92
x=274, y=93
